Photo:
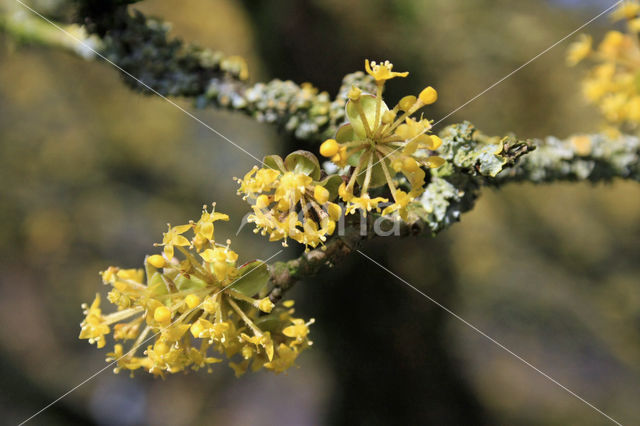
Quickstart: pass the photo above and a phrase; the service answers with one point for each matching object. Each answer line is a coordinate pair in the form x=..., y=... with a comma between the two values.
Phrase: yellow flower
x=364, y=203
x=581, y=144
x=203, y=228
x=299, y=330
x=614, y=45
x=222, y=261
x=173, y=237
x=193, y=306
x=260, y=341
x=285, y=359
x=94, y=326
x=382, y=71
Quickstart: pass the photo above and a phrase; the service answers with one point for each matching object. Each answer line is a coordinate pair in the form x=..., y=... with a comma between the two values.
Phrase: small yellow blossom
x=204, y=228
x=581, y=144
x=173, y=237
x=266, y=305
x=285, y=359
x=580, y=49
x=94, y=327
x=382, y=71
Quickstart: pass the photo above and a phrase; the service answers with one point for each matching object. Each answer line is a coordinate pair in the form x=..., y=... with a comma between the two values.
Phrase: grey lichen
x=441, y=204
x=468, y=150
x=585, y=157
x=473, y=160
x=298, y=109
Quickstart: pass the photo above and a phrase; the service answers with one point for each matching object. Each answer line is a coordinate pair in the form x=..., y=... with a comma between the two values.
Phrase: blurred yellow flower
x=580, y=49
x=613, y=84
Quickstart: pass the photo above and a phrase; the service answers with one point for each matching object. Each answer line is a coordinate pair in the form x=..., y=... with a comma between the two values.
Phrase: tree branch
x=473, y=161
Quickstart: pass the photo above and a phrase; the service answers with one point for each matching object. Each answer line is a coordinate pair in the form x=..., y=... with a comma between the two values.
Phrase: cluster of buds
x=612, y=83
x=180, y=310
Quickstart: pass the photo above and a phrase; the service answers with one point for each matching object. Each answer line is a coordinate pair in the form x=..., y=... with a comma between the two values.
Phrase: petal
x=181, y=229
x=208, y=255
x=179, y=240
x=206, y=230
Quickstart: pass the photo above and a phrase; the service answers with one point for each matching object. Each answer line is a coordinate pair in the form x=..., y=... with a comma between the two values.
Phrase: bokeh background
x=90, y=173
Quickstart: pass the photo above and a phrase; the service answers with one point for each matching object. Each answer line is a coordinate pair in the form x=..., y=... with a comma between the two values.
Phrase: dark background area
x=91, y=172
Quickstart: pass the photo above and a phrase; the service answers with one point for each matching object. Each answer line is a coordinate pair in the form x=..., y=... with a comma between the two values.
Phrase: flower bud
x=162, y=314
x=156, y=261
x=262, y=201
x=321, y=194
x=428, y=96
x=192, y=301
x=329, y=148
x=407, y=102
x=388, y=117
x=354, y=94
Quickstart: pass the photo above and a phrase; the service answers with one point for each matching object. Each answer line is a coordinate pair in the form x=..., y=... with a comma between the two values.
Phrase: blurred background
x=91, y=173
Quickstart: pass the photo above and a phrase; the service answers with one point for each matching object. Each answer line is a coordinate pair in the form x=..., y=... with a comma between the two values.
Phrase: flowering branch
x=473, y=160
x=477, y=160
x=384, y=164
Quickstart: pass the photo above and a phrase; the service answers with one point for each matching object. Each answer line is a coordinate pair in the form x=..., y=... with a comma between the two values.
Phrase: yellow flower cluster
x=290, y=200
x=613, y=84
x=379, y=143
x=184, y=308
